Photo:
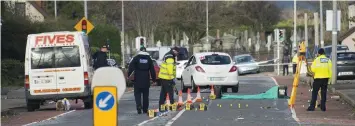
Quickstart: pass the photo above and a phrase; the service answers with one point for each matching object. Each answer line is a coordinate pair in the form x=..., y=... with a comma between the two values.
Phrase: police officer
x=294, y=62
x=322, y=70
x=285, y=61
x=143, y=68
x=100, y=58
x=167, y=76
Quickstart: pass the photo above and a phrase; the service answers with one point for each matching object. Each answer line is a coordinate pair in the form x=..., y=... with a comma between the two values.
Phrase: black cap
x=321, y=51
x=143, y=49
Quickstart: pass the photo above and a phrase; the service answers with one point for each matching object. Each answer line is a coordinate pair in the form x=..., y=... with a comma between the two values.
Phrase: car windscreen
x=154, y=54
x=55, y=57
x=243, y=59
x=328, y=50
x=215, y=59
x=346, y=56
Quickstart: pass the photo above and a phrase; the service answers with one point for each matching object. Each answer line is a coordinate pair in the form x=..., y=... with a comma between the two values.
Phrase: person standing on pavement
x=142, y=66
x=167, y=76
x=100, y=58
x=285, y=61
x=322, y=71
x=294, y=62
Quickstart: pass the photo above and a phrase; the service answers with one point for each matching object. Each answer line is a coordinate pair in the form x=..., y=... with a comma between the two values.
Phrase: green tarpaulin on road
x=272, y=93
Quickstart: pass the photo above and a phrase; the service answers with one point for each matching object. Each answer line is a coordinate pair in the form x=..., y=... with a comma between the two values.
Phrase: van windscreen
x=55, y=57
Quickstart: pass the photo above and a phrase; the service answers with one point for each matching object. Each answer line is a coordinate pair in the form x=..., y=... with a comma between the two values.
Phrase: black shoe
x=145, y=111
x=139, y=111
x=323, y=109
x=310, y=109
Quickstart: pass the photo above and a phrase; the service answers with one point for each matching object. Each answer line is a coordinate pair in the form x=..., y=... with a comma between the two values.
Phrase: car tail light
x=27, y=82
x=233, y=69
x=199, y=69
x=86, y=78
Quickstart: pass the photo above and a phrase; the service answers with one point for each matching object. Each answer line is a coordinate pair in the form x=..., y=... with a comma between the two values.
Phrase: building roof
x=346, y=34
x=40, y=9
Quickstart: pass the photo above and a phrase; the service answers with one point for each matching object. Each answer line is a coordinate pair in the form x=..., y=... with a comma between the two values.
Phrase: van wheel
x=32, y=105
x=88, y=104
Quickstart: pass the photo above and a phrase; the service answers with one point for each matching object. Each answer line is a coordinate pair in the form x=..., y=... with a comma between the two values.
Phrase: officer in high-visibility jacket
x=294, y=63
x=322, y=70
x=167, y=76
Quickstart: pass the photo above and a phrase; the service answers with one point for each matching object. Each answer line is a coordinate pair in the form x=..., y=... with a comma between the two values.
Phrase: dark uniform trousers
x=294, y=68
x=166, y=87
x=319, y=83
x=285, y=70
x=138, y=95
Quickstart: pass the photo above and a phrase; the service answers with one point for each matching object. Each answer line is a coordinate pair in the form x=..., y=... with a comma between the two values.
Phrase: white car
x=180, y=66
x=210, y=68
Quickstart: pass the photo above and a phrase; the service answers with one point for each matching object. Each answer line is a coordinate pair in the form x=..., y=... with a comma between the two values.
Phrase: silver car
x=246, y=64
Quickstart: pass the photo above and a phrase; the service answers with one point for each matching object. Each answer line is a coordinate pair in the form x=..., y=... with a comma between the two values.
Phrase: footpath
x=340, y=111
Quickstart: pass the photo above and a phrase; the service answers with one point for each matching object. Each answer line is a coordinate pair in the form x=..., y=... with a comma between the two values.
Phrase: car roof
x=243, y=55
x=210, y=53
x=330, y=46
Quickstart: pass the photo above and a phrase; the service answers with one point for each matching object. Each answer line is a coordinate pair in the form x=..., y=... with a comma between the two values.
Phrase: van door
x=42, y=73
x=70, y=73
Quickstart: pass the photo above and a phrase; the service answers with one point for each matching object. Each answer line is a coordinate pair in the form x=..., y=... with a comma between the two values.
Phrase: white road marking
x=293, y=112
x=180, y=113
x=49, y=118
x=176, y=117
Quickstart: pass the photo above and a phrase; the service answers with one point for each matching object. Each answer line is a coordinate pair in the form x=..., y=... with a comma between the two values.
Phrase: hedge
x=12, y=73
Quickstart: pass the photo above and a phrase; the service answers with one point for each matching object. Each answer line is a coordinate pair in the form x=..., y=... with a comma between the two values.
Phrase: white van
x=58, y=65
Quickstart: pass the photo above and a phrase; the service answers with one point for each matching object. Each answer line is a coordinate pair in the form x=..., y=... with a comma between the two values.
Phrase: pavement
x=222, y=112
x=339, y=112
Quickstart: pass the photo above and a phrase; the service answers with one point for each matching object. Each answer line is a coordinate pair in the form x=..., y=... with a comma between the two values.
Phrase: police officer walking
x=143, y=69
x=100, y=58
x=285, y=61
x=167, y=76
x=322, y=70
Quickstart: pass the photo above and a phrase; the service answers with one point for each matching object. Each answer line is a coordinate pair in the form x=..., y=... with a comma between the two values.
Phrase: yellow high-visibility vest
x=322, y=67
x=167, y=69
x=295, y=59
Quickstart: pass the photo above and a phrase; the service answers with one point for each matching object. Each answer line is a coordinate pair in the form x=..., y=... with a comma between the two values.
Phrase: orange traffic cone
x=180, y=102
x=188, y=96
x=167, y=102
x=212, y=95
x=198, y=97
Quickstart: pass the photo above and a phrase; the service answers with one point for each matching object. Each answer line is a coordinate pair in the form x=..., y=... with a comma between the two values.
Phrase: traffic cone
x=198, y=97
x=212, y=95
x=180, y=102
x=188, y=96
x=167, y=102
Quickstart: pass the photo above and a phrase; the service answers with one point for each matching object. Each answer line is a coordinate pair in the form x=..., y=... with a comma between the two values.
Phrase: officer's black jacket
x=100, y=59
x=143, y=68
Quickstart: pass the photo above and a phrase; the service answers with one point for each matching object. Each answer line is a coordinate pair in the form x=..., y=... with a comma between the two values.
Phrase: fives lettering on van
x=56, y=39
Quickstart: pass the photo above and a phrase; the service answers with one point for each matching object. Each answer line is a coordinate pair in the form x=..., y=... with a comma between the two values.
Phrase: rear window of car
x=346, y=56
x=215, y=59
x=154, y=54
x=55, y=57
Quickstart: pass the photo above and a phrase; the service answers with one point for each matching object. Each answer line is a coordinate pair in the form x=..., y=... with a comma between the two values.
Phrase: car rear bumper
x=85, y=94
x=347, y=69
x=230, y=79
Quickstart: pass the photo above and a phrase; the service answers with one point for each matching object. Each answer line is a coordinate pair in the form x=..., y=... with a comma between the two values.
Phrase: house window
x=20, y=8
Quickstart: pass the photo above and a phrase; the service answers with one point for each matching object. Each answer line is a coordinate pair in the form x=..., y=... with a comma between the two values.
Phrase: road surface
x=220, y=112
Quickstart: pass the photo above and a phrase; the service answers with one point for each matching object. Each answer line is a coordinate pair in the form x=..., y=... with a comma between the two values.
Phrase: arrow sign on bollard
x=108, y=85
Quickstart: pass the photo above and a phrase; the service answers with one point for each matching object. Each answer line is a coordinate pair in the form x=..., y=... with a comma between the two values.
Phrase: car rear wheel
x=224, y=89
x=32, y=105
x=235, y=89
x=183, y=88
x=218, y=92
